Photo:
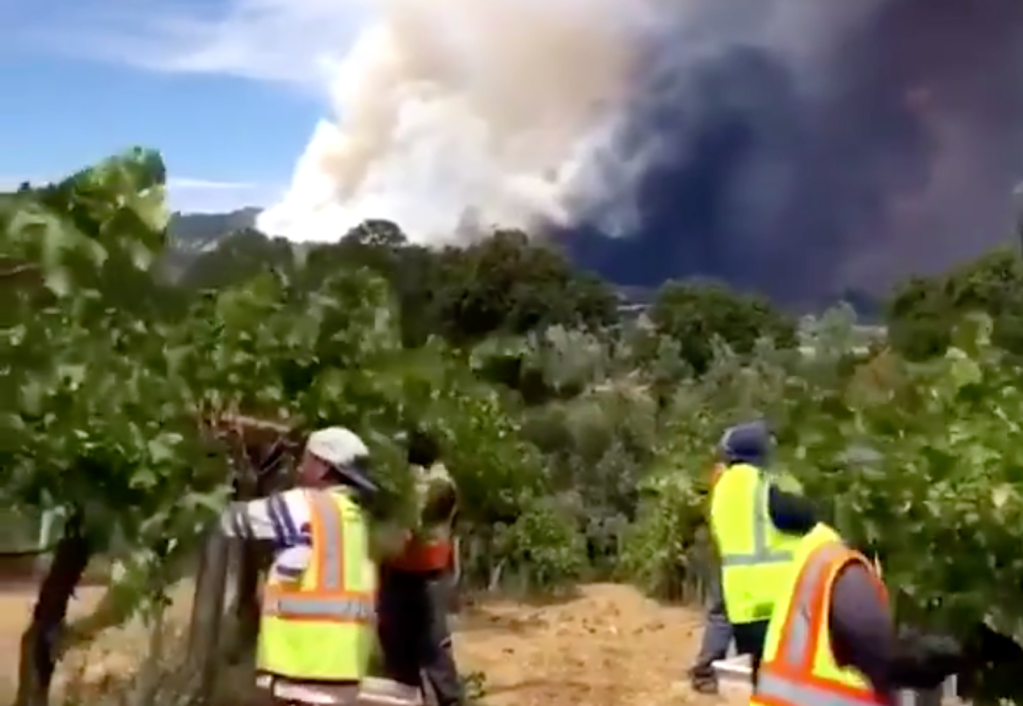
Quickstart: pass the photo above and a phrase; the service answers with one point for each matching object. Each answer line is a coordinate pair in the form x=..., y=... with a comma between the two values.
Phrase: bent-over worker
x=756, y=525
x=316, y=632
x=832, y=641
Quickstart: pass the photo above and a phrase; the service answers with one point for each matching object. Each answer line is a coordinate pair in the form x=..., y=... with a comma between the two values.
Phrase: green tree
x=236, y=258
x=509, y=283
x=923, y=311
x=919, y=318
x=695, y=314
x=377, y=233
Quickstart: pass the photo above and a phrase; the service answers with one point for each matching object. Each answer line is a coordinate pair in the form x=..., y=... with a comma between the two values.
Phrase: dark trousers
x=414, y=634
x=749, y=637
x=749, y=640
x=717, y=632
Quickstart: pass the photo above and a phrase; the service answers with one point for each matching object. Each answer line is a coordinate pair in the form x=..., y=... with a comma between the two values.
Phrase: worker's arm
x=283, y=519
x=790, y=513
x=456, y=561
x=863, y=635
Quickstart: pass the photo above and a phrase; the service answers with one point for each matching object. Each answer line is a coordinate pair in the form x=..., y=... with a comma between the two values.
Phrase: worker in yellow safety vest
x=832, y=641
x=317, y=629
x=756, y=526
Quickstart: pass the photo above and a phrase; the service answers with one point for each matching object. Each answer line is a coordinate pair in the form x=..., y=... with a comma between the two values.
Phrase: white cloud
x=195, y=195
x=182, y=183
x=288, y=41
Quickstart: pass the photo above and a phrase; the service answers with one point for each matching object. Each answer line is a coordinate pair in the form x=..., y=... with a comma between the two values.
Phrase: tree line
x=511, y=284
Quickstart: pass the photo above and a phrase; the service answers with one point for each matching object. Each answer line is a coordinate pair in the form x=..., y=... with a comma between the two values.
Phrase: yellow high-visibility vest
x=799, y=668
x=321, y=627
x=755, y=557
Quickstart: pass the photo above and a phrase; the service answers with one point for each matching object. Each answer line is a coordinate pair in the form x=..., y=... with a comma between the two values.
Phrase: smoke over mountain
x=796, y=146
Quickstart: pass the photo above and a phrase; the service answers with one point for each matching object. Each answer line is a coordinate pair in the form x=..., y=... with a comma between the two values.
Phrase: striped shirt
x=284, y=519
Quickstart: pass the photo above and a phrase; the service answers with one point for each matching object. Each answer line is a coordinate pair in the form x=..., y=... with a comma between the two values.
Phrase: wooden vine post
x=260, y=449
x=207, y=611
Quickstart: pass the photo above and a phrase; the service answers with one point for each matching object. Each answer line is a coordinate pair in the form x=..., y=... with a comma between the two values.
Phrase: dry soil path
x=607, y=646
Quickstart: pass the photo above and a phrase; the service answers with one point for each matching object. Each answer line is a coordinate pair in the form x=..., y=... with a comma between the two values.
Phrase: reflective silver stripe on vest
x=762, y=554
x=789, y=692
x=797, y=643
x=346, y=609
x=331, y=573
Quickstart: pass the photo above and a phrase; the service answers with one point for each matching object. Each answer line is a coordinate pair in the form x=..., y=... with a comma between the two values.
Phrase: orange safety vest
x=799, y=667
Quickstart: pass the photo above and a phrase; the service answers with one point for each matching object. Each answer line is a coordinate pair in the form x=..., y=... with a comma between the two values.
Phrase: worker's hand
x=787, y=482
x=942, y=648
x=942, y=657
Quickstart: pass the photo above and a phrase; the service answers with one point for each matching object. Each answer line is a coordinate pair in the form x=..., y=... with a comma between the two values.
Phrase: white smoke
x=448, y=110
x=450, y=113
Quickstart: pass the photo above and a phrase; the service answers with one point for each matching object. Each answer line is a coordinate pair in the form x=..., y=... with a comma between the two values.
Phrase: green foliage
x=238, y=257
x=658, y=551
x=543, y=546
x=697, y=314
x=506, y=284
x=947, y=475
x=108, y=372
x=581, y=444
x=93, y=415
x=923, y=311
x=510, y=284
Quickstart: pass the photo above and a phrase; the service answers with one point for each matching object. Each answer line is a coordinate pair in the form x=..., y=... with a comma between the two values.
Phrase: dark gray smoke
x=845, y=151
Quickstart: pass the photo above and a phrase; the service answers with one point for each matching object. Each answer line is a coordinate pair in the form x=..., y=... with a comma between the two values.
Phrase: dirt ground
x=607, y=646
x=610, y=646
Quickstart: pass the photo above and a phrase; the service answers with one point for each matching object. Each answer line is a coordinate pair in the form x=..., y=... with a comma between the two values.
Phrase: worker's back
x=799, y=633
x=330, y=602
x=754, y=555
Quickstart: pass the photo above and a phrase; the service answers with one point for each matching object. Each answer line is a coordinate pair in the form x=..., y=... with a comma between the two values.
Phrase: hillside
x=195, y=233
x=198, y=231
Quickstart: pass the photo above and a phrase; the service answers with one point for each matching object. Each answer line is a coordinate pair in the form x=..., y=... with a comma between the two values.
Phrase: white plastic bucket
x=374, y=691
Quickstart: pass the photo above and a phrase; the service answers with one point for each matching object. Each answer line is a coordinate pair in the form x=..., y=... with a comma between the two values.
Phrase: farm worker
x=415, y=584
x=832, y=641
x=316, y=632
x=755, y=525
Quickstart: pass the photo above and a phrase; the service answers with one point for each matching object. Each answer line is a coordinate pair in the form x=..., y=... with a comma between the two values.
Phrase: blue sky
x=228, y=90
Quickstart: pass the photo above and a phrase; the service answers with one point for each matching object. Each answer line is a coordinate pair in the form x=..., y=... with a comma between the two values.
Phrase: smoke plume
x=798, y=147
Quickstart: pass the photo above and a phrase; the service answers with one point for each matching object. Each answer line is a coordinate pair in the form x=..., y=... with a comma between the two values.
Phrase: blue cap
x=746, y=443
